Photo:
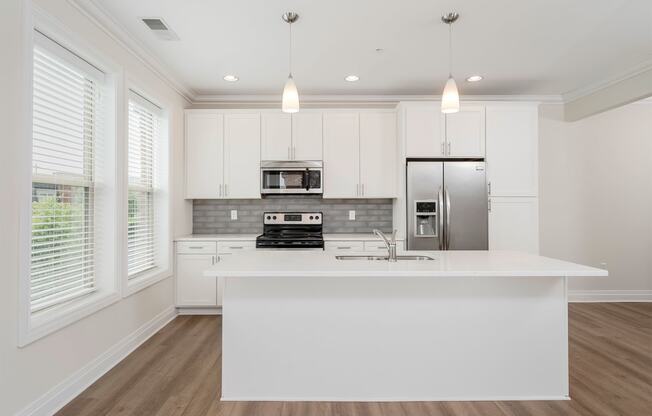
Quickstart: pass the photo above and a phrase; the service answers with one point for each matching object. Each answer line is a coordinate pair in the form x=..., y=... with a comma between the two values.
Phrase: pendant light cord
x=290, y=49
x=450, y=50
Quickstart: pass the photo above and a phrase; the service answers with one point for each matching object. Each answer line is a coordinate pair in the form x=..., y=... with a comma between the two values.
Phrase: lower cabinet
x=514, y=224
x=372, y=246
x=193, y=288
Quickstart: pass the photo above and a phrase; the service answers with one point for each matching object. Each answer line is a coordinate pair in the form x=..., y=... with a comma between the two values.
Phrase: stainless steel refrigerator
x=447, y=205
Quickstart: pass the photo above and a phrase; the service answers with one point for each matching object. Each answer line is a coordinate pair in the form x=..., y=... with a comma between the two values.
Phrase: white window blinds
x=144, y=128
x=66, y=100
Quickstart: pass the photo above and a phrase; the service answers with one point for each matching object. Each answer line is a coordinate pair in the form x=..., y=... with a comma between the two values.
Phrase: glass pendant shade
x=450, y=99
x=290, y=96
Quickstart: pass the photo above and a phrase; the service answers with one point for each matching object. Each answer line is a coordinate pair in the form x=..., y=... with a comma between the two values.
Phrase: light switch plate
x=352, y=215
x=234, y=214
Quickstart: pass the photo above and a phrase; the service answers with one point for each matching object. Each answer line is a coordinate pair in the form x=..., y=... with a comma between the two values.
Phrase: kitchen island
x=466, y=325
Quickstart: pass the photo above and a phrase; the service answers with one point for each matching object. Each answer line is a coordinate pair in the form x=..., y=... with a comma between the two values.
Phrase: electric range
x=291, y=230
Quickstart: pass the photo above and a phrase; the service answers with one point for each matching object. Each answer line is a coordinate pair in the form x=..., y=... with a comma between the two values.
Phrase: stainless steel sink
x=383, y=258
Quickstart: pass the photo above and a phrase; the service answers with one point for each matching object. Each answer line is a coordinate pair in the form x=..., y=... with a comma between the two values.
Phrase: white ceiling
x=519, y=46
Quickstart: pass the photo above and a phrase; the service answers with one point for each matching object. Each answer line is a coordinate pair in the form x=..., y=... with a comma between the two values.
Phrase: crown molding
x=606, y=83
x=103, y=20
x=263, y=100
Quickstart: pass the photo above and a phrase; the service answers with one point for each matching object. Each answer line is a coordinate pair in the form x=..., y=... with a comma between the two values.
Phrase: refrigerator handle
x=440, y=214
x=448, y=218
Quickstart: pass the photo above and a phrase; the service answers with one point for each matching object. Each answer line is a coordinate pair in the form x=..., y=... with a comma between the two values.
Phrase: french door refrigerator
x=447, y=205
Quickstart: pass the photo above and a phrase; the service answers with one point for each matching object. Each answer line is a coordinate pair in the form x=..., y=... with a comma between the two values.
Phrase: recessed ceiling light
x=474, y=78
x=230, y=78
x=351, y=78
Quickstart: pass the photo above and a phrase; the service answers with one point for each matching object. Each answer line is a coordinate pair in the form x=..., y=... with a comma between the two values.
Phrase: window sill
x=38, y=325
x=145, y=280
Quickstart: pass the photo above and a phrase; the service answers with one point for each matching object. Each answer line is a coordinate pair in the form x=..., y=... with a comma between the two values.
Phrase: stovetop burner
x=291, y=230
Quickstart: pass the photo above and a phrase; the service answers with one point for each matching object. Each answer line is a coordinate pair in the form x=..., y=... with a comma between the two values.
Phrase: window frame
x=33, y=326
x=162, y=195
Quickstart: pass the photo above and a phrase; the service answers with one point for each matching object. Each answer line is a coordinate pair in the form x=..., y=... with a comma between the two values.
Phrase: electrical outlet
x=234, y=214
x=352, y=215
x=603, y=265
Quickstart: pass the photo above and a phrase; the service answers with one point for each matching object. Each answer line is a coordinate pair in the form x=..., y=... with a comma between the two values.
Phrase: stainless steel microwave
x=291, y=177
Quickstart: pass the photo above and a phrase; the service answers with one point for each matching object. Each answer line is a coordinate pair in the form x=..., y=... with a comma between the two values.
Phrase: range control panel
x=311, y=218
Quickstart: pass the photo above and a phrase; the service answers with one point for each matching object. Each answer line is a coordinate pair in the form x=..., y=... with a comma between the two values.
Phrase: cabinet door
x=512, y=150
x=242, y=155
x=193, y=288
x=378, y=150
x=424, y=130
x=204, y=147
x=276, y=136
x=341, y=155
x=514, y=224
x=465, y=132
x=307, y=136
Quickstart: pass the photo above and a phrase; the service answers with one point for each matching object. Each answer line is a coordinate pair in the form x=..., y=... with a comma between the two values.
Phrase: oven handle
x=306, y=178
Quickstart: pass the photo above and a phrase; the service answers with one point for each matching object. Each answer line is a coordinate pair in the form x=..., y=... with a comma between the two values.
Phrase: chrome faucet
x=391, y=244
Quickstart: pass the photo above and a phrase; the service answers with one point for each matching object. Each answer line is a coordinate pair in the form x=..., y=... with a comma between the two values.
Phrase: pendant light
x=290, y=93
x=450, y=98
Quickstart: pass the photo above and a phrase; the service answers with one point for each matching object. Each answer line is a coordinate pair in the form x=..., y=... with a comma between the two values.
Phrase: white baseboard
x=64, y=392
x=610, y=296
x=199, y=311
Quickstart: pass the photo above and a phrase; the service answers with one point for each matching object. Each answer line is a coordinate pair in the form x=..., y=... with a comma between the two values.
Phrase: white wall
x=28, y=373
x=596, y=197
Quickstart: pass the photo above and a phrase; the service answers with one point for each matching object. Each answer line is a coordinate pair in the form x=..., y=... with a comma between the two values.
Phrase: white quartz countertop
x=446, y=264
x=251, y=237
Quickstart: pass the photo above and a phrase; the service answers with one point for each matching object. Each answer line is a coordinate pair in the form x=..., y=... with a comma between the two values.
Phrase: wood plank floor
x=177, y=372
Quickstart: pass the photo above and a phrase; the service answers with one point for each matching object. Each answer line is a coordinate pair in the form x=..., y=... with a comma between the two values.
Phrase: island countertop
x=261, y=263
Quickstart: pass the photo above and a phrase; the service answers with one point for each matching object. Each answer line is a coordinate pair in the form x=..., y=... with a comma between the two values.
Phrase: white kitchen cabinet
x=360, y=155
x=514, y=224
x=307, y=136
x=276, y=136
x=291, y=136
x=512, y=150
x=344, y=246
x=241, y=156
x=465, y=132
x=341, y=155
x=204, y=154
x=193, y=288
x=227, y=248
x=378, y=150
x=424, y=130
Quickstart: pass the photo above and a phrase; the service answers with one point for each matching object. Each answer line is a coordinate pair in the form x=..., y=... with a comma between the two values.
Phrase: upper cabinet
x=512, y=149
x=341, y=155
x=378, y=149
x=204, y=154
x=291, y=136
x=276, y=136
x=307, y=131
x=465, y=132
x=222, y=155
x=431, y=134
x=241, y=156
x=424, y=130
x=360, y=154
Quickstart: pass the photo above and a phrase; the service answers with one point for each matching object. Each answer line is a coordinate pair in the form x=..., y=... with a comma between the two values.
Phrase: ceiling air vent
x=160, y=29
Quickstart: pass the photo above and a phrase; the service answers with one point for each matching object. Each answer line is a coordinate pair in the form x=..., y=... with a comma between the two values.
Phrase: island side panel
x=382, y=339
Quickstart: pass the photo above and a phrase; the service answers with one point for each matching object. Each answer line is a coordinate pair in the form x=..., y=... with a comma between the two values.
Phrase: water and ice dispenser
x=425, y=223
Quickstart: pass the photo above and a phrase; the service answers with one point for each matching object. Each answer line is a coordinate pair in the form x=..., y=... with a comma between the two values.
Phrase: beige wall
x=28, y=373
x=596, y=194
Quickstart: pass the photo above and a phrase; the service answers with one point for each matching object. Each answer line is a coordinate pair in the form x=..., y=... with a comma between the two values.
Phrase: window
x=66, y=129
x=143, y=156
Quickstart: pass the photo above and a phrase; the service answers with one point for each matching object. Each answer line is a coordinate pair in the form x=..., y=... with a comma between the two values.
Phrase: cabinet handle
x=196, y=247
x=220, y=191
x=489, y=186
x=362, y=188
x=289, y=157
x=212, y=260
x=294, y=152
x=236, y=247
x=489, y=204
x=443, y=150
x=448, y=153
x=226, y=190
x=344, y=248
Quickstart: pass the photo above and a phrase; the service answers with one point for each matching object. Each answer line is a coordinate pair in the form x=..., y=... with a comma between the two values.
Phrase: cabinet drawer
x=344, y=246
x=379, y=246
x=226, y=247
x=196, y=247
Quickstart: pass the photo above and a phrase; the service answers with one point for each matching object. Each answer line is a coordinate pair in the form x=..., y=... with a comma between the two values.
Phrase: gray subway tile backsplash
x=213, y=216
